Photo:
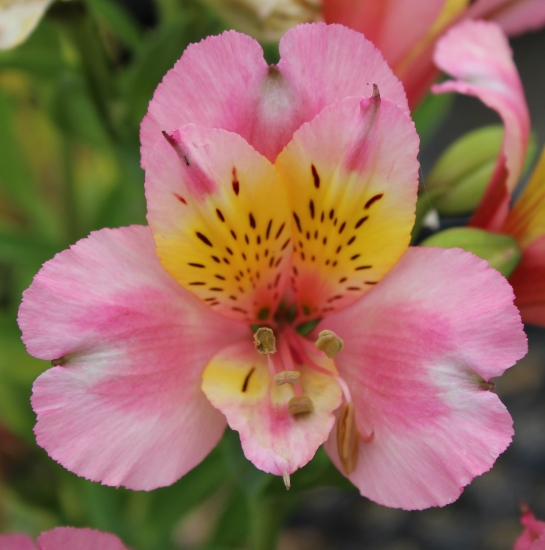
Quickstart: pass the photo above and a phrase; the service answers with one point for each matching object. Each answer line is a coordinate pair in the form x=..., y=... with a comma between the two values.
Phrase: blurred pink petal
x=478, y=56
x=533, y=537
x=124, y=404
x=224, y=82
x=514, y=16
x=70, y=538
x=419, y=352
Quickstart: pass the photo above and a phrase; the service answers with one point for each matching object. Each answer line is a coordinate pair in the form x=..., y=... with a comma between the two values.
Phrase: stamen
x=347, y=438
x=300, y=404
x=329, y=343
x=286, y=478
x=264, y=341
x=286, y=377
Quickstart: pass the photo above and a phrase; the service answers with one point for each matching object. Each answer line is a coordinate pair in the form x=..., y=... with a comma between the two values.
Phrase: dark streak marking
x=216, y=259
x=234, y=298
x=352, y=239
x=252, y=220
x=268, y=230
x=313, y=258
x=301, y=244
x=203, y=239
x=325, y=240
x=226, y=261
x=257, y=257
x=277, y=280
x=303, y=256
x=355, y=256
x=220, y=277
x=280, y=231
x=220, y=215
x=266, y=252
x=197, y=283
x=371, y=282
x=322, y=217
x=327, y=262
x=210, y=299
x=331, y=214
x=373, y=200
x=359, y=268
x=216, y=289
x=308, y=235
x=236, y=184
x=341, y=229
x=311, y=207
x=353, y=288
x=241, y=273
x=242, y=310
x=278, y=261
x=241, y=289
x=244, y=256
x=316, y=234
x=246, y=239
x=234, y=235
x=180, y=198
x=229, y=250
x=295, y=270
x=343, y=280
x=258, y=239
x=361, y=220
x=334, y=263
x=315, y=176
x=296, y=217
x=271, y=262
x=338, y=249
x=196, y=265
x=285, y=244
x=335, y=221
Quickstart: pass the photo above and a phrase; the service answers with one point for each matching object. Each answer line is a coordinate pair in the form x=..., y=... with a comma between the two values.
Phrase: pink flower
x=478, y=55
x=533, y=537
x=63, y=538
x=276, y=195
x=405, y=31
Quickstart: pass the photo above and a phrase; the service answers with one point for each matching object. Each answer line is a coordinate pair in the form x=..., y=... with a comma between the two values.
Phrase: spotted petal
x=419, y=350
x=219, y=215
x=478, y=55
x=352, y=176
x=123, y=404
x=238, y=382
x=224, y=82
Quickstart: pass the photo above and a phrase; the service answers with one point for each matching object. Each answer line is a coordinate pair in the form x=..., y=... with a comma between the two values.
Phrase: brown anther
x=300, y=404
x=329, y=343
x=347, y=438
x=265, y=341
x=286, y=377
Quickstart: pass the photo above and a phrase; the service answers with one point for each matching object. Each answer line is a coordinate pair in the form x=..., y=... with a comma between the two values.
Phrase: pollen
x=329, y=343
x=286, y=377
x=347, y=438
x=300, y=404
x=264, y=341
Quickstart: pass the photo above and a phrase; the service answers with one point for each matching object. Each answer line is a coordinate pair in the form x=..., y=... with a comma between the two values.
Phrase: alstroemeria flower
x=63, y=538
x=406, y=31
x=533, y=537
x=478, y=55
x=282, y=201
x=18, y=18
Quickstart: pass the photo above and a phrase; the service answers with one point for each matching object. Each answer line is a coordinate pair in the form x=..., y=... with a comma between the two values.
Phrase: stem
x=266, y=517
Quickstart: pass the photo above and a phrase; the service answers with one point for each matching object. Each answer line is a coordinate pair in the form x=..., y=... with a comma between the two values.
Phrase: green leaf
x=117, y=20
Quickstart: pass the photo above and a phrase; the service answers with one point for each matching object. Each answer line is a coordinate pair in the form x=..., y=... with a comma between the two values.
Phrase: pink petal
x=394, y=26
x=418, y=350
x=224, y=82
x=16, y=542
x=125, y=406
x=478, y=55
x=352, y=177
x=533, y=537
x=514, y=17
x=528, y=282
x=238, y=382
x=70, y=538
x=228, y=240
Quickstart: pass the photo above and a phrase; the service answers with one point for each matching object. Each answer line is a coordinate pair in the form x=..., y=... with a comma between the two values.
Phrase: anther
x=264, y=341
x=286, y=377
x=300, y=404
x=329, y=343
x=347, y=438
